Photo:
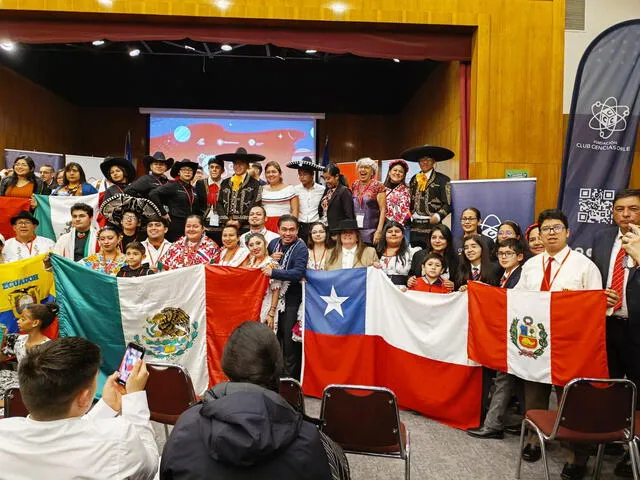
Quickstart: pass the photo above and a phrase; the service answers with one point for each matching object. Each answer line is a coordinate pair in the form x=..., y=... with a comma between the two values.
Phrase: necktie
x=504, y=279
x=617, y=279
x=546, y=281
x=476, y=273
x=236, y=181
x=213, y=194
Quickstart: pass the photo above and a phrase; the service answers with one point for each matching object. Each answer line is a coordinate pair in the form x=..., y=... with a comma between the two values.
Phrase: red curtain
x=404, y=46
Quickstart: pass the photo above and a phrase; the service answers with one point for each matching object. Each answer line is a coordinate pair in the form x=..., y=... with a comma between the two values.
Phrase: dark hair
x=328, y=242
x=333, y=170
x=110, y=226
x=511, y=243
x=288, y=218
x=264, y=211
x=486, y=266
x=129, y=210
x=136, y=246
x=259, y=236
x=629, y=192
x=252, y=354
x=387, y=181
x=50, y=167
x=45, y=312
x=382, y=244
x=194, y=215
x=531, y=227
x=478, y=216
x=514, y=225
x=553, y=214
x=450, y=255
x=234, y=227
x=69, y=166
x=53, y=373
x=31, y=176
x=158, y=218
x=435, y=256
x=88, y=209
x=257, y=166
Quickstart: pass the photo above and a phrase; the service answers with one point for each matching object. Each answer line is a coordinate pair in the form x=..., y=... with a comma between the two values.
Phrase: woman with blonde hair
x=350, y=251
x=369, y=201
x=277, y=198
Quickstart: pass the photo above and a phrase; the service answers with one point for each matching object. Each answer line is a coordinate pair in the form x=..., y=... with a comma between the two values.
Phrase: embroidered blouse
x=399, y=204
x=184, y=253
x=278, y=202
x=98, y=263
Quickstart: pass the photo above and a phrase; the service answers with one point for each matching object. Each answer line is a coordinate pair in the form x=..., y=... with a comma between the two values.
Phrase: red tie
x=504, y=280
x=476, y=274
x=546, y=281
x=213, y=194
x=617, y=279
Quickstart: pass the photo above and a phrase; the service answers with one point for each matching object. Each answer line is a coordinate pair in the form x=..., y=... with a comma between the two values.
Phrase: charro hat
x=438, y=154
x=346, y=225
x=124, y=164
x=305, y=164
x=240, y=154
x=175, y=169
x=24, y=215
x=157, y=157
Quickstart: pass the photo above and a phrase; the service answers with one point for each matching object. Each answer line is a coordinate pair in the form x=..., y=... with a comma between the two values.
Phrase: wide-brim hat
x=439, y=154
x=175, y=170
x=157, y=157
x=24, y=215
x=217, y=161
x=346, y=225
x=123, y=163
x=115, y=207
x=240, y=154
x=305, y=164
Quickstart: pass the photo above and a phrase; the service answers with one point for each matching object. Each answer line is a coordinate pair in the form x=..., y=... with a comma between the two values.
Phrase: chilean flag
x=547, y=337
x=361, y=329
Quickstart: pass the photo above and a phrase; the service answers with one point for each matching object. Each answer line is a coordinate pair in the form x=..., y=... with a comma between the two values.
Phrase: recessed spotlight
x=106, y=3
x=222, y=4
x=8, y=46
x=134, y=52
x=97, y=43
x=397, y=60
x=189, y=47
x=226, y=47
x=310, y=51
x=338, y=7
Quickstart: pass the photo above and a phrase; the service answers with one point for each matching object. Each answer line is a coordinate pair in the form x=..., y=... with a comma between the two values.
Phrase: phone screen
x=131, y=356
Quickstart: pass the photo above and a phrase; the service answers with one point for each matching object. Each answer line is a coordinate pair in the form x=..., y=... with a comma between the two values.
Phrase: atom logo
x=608, y=117
x=490, y=225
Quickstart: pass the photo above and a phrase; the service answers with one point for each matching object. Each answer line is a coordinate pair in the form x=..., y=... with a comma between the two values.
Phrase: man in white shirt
x=558, y=268
x=155, y=244
x=59, y=439
x=309, y=194
x=257, y=219
x=26, y=243
x=81, y=241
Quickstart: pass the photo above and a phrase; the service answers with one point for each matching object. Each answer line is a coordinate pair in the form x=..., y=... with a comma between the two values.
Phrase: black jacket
x=236, y=205
x=179, y=197
x=40, y=188
x=340, y=207
x=142, y=186
x=243, y=431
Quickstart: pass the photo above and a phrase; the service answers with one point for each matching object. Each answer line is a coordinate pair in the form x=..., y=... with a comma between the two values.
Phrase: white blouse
x=241, y=254
x=278, y=202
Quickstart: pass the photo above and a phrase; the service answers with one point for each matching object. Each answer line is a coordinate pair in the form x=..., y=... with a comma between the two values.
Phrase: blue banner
x=601, y=134
x=498, y=200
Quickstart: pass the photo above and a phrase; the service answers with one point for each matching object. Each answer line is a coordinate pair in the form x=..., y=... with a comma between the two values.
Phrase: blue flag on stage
x=601, y=135
x=128, y=148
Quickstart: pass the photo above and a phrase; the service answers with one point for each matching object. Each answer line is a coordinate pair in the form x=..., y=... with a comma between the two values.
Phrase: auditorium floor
x=439, y=452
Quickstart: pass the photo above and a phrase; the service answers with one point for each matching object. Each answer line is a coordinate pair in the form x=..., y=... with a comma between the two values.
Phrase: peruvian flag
x=546, y=337
x=9, y=207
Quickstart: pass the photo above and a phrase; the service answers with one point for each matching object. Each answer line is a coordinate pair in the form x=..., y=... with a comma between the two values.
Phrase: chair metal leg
x=166, y=432
x=635, y=457
x=407, y=460
x=597, y=467
x=543, y=450
x=523, y=430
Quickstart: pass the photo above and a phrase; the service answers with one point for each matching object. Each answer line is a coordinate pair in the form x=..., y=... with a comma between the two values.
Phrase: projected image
x=198, y=138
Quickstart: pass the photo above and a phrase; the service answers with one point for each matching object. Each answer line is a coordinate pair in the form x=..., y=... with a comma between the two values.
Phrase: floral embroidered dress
x=399, y=203
x=365, y=203
x=184, y=253
x=98, y=263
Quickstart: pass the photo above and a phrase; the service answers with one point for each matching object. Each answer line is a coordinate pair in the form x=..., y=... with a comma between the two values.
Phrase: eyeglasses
x=555, y=228
x=505, y=254
x=129, y=217
x=506, y=234
x=23, y=223
x=468, y=219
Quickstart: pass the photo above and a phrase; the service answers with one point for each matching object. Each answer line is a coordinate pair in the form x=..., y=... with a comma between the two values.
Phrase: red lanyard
x=152, y=261
x=316, y=264
x=191, y=196
x=557, y=271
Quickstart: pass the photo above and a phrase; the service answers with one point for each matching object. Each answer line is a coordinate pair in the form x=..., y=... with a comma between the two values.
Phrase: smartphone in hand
x=133, y=353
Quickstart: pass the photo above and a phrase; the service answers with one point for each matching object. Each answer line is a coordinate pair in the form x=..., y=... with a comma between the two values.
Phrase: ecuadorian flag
x=183, y=316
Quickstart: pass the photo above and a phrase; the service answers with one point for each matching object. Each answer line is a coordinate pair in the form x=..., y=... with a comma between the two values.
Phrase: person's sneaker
x=485, y=432
x=623, y=467
x=571, y=471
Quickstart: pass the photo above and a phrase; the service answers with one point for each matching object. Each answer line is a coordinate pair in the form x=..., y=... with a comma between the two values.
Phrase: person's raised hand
x=138, y=377
x=631, y=242
x=112, y=392
x=411, y=282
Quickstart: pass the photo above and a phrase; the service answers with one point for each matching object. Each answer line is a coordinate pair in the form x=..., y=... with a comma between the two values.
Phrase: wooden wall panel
x=33, y=118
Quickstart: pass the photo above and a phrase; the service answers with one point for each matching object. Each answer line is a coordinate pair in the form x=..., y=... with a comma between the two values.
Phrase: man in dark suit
x=623, y=291
x=510, y=255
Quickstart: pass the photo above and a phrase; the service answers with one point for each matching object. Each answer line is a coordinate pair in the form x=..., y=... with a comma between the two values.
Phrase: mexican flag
x=183, y=316
x=546, y=337
x=54, y=213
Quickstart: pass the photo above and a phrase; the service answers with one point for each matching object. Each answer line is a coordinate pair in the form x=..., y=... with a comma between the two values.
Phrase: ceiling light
x=189, y=47
x=397, y=60
x=134, y=53
x=106, y=3
x=97, y=43
x=222, y=4
x=310, y=51
x=8, y=46
x=226, y=47
x=338, y=7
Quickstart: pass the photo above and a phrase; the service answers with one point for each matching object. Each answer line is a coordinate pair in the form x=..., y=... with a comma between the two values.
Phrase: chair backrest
x=291, y=391
x=362, y=419
x=13, y=404
x=592, y=405
x=169, y=392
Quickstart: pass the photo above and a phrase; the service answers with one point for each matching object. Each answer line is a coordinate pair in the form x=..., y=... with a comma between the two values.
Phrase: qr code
x=595, y=205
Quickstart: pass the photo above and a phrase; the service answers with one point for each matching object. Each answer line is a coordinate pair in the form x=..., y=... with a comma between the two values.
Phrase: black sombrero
x=175, y=169
x=123, y=163
x=438, y=154
x=345, y=225
x=305, y=164
x=240, y=154
x=157, y=157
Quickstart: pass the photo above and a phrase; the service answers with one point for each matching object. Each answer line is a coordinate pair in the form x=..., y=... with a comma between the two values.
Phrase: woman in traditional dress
x=23, y=181
x=259, y=258
x=193, y=248
x=233, y=254
x=395, y=253
x=74, y=183
x=110, y=258
x=369, y=201
x=319, y=243
x=277, y=198
x=398, y=195
x=119, y=172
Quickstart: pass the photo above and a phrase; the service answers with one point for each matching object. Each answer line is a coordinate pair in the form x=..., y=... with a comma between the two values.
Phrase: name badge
x=214, y=219
x=360, y=220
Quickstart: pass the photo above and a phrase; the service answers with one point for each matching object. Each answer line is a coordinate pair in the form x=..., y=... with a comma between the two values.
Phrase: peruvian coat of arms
x=530, y=339
x=169, y=333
